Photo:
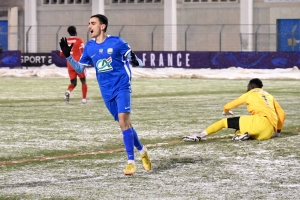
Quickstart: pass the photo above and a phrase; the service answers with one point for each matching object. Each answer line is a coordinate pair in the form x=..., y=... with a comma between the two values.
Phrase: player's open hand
x=65, y=48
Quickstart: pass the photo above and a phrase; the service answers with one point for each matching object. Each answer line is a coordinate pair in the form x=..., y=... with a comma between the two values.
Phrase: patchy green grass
x=36, y=123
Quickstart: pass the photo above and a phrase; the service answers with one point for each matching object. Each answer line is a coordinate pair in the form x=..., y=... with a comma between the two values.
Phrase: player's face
x=95, y=27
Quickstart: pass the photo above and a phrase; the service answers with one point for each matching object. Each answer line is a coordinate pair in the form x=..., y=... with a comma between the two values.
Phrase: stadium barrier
x=176, y=59
x=36, y=59
x=220, y=60
x=10, y=59
x=213, y=60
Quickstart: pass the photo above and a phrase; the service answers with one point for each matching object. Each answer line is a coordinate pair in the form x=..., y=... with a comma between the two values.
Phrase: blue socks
x=128, y=143
x=131, y=140
x=137, y=142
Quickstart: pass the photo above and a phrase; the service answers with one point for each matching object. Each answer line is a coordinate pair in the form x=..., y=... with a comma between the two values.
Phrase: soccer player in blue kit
x=111, y=57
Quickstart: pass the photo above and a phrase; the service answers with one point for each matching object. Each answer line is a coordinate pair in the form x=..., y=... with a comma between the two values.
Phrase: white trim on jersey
x=127, y=52
x=127, y=70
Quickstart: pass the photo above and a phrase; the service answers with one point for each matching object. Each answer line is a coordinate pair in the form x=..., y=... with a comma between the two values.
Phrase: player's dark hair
x=256, y=83
x=72, y=30
x=102, y=19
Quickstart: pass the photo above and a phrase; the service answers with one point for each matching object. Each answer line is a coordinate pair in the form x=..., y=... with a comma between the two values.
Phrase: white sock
x=131, y=162
x=143, y=150
x=203, y=134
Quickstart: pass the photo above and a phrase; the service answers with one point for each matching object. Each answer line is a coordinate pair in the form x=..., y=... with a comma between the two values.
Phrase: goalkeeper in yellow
x=266, y=119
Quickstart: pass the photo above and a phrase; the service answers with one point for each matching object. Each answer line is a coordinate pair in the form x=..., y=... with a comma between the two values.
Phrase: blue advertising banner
x=220, y=60
x=212, y=60
x=36, y=59
x=58, y=60
x=10, y=59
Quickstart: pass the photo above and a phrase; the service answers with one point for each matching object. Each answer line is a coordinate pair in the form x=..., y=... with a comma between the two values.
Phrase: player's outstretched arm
x=66, y=50
x=79, y=68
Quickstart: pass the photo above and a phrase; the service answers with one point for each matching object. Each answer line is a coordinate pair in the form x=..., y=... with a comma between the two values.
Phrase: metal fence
x=223, y=37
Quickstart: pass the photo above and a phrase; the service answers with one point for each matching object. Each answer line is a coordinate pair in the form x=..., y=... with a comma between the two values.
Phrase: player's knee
x=74, y=82
x=83, y=81
x=124, y=125
x=124, y=121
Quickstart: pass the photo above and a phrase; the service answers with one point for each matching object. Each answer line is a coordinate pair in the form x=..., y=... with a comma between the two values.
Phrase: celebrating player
x=266, y=119
x=76, y=52
x=111, y=56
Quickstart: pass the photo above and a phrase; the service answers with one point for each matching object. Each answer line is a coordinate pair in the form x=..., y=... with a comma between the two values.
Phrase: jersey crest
x=103, y=65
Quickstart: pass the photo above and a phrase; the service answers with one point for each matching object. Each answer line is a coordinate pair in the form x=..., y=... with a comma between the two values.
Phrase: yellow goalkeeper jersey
x=260, y=102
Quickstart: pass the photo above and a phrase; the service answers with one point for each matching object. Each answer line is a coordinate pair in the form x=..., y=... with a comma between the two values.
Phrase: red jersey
x=77, y=48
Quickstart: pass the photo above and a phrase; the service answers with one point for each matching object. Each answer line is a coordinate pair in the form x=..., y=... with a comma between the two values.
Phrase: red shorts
x=73, y=74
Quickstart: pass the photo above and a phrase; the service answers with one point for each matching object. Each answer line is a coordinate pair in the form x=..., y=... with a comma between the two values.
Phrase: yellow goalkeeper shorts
x=258, y=127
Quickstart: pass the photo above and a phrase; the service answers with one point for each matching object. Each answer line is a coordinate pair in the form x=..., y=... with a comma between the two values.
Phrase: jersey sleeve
x=280, y=113
x=79, y=68
x=235, y=103
x=85, y=59
x=124, y=48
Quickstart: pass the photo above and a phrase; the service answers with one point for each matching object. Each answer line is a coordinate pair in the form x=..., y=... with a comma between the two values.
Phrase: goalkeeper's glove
x=229, y=113
x=276, y=134
x=65, y=48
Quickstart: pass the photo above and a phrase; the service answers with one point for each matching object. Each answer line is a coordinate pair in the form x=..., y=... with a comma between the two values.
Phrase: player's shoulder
x=80, y=39
x=73, y=39
x=91, y=41
x=114, y=38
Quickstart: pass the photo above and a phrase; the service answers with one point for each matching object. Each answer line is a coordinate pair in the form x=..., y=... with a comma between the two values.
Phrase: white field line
x=100, y=152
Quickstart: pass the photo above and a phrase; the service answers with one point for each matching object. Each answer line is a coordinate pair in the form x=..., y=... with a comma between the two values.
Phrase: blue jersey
x=112, y=67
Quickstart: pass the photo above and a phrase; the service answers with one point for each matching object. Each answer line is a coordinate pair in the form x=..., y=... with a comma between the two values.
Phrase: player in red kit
x=76, y=54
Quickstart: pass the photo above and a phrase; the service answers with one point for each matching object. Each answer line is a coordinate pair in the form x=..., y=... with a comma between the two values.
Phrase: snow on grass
x=34, y=126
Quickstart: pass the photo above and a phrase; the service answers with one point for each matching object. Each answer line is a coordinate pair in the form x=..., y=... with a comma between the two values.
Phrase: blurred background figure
x=78, y=46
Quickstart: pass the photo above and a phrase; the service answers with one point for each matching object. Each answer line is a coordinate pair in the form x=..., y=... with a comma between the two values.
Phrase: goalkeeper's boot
x=146, y=160
x=67, y=97
x=243, y=137
x=130, y=169
x=191, y=138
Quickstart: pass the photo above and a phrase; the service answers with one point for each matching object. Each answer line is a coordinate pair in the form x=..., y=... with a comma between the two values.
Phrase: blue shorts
x=119, y=104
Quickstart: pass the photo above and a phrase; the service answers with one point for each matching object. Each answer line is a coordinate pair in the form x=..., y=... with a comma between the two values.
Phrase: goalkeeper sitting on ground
x=266, y=119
